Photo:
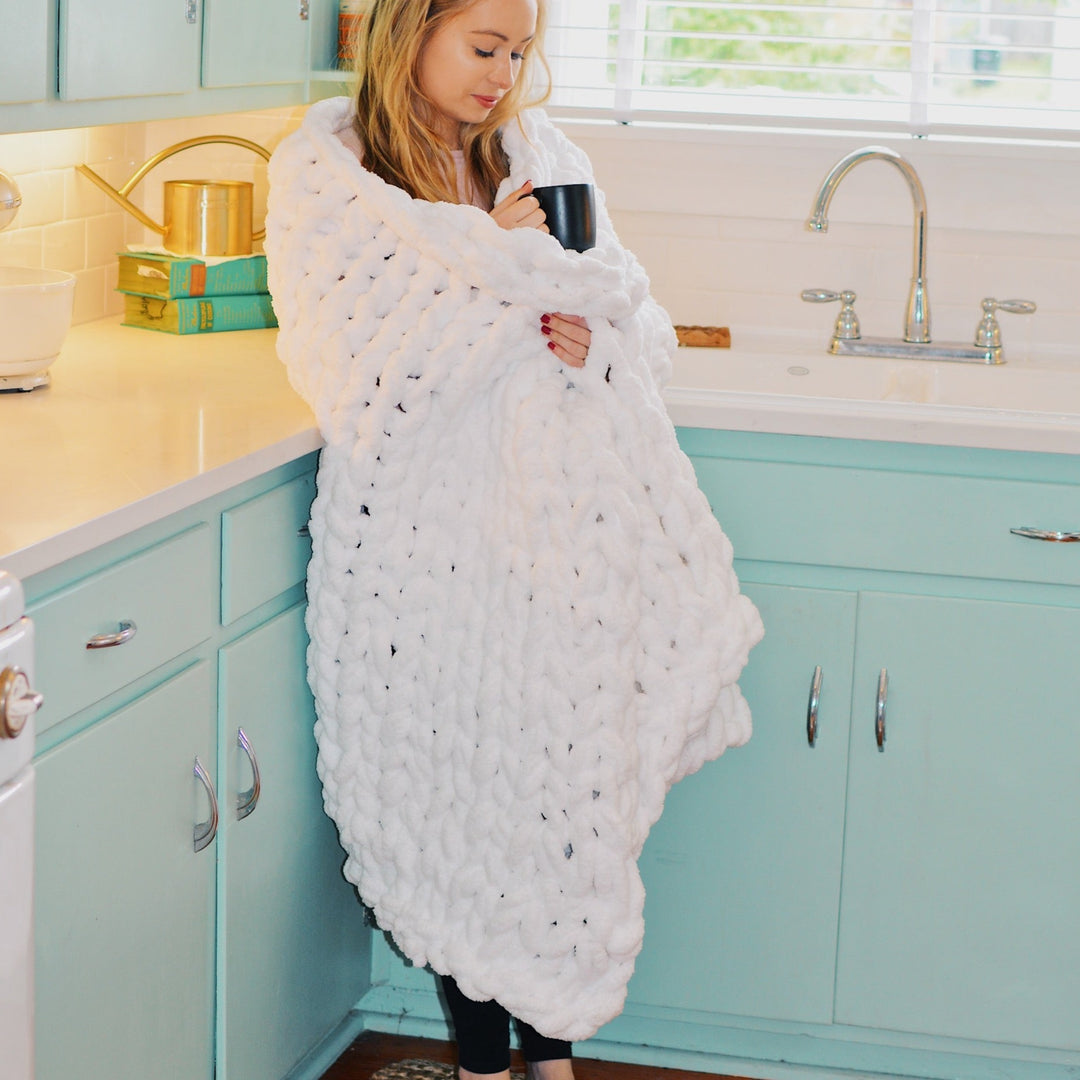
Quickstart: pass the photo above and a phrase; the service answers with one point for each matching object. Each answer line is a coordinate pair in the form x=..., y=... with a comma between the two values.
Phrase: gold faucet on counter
x=916, y=343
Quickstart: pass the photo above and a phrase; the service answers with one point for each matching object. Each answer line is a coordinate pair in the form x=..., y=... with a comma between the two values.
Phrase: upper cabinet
x=245, y=48
x=128, y=48
x=24, y=53
x=71, y=63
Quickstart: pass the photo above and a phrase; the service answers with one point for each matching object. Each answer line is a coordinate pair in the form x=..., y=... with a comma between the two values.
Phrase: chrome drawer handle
x=1029, y=533
x=109, y=641
x=879, y=712
x=205, y=831
x=246, y=801
x=304, y=530
x=812, y=707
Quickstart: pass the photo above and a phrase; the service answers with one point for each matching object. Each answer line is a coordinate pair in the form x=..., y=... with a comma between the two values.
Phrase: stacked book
x=179, y=294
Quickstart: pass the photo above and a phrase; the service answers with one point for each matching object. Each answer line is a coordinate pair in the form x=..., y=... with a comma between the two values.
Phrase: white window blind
x=972, y=67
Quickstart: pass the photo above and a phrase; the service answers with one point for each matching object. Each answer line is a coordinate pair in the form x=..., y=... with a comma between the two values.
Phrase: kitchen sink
x=35, y=314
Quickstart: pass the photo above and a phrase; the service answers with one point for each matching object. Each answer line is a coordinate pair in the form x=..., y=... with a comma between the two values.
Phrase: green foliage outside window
x=984, y=49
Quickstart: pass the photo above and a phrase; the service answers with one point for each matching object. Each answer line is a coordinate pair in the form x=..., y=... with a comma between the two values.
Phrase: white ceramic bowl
x=35, y=315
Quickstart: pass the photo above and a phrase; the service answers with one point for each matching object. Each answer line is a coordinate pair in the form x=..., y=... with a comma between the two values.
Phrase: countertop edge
x=118, y=523
x=898, y=422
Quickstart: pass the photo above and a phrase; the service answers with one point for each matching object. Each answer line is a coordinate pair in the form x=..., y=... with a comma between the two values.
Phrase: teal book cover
x=175, y=276
x=200, y=315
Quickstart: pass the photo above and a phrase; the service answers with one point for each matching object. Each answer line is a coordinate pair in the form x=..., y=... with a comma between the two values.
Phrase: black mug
x=571, y=214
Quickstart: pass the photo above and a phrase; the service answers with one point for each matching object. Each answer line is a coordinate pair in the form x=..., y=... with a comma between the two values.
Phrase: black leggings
x=482, y=1031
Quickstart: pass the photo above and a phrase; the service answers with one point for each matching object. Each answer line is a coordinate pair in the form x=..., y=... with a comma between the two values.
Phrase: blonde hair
x=396, y=122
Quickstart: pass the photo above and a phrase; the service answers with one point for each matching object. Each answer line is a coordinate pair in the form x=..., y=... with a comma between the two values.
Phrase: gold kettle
x=202, y=217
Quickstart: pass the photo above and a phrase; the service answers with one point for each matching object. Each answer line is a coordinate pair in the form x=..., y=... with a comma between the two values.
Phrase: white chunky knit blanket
x=524, y=622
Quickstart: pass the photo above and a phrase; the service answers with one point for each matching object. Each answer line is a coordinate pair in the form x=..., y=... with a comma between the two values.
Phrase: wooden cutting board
x=713, y=337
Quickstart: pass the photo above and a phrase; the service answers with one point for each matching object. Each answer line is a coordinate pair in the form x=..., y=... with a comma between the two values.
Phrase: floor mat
x=418, y=1069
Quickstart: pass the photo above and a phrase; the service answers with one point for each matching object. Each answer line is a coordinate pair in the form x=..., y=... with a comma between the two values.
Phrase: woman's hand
x=520, y=210
x=568, y=337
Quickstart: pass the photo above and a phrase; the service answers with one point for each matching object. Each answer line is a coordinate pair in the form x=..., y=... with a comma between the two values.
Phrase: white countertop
x=137, y=424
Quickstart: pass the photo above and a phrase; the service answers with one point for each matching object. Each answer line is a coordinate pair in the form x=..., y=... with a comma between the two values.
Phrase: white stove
x=18, y=704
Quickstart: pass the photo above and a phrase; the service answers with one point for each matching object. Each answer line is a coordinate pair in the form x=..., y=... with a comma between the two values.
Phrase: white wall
x=716, y=218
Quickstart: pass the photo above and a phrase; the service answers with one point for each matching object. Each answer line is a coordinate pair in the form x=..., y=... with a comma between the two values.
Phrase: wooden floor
x=373, y=1050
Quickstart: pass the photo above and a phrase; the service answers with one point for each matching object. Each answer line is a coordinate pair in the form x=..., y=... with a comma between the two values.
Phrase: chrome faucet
x=917, y=320
x=847, y=338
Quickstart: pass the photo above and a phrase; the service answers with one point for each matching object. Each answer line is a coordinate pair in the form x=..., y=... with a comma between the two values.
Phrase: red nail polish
x=551, y=345
x=545, y=329
x=545, y=318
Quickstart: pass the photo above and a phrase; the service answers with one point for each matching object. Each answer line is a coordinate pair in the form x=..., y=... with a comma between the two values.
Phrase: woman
x=524, y=622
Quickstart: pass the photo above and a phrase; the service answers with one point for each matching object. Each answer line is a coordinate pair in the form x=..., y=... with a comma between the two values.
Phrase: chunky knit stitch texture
x=524, y=622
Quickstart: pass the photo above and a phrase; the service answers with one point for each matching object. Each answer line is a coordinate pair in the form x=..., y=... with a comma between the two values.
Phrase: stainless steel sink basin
x=35, y=314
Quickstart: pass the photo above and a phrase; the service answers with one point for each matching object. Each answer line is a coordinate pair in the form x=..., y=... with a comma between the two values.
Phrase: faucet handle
x=847, y=322
x=988, y=332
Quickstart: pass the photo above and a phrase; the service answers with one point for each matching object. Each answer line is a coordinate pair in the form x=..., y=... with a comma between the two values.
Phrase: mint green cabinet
x=24, y=53
x=931, y=924
x=124, y=904
x=245, y=959
x=75, y=63
x=962, y=850
x=128, y=48
x=248, y=46
x=293, y=932
x=748, y=850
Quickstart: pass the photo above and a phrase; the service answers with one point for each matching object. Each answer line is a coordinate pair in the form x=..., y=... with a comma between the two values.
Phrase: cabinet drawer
x=166, y=592
x=264, y=547
x=877, y=519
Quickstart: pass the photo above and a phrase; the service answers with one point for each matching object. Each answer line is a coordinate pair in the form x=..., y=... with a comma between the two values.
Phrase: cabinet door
x=295, y=945
x=128, y=48
x=742, y=872
x=24, y=53
x=249, y=43
x=124, y=904
x=962, y=855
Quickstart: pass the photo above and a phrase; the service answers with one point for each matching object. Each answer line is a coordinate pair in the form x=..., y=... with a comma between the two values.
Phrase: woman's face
x=473, y=59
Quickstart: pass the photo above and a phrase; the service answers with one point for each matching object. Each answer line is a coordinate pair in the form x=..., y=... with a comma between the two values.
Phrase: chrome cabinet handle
x=205, y=831
x=191, y=10
x=812, y=707
x=246, y=801
x=879, y=711
x=304, y=530
x=109, y=641
x=1030, y=533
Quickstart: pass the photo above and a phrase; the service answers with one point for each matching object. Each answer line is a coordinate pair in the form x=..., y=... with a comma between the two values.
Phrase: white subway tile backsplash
x=105, y=144
x=21, y=247
x=90, y=286
x=42, y=198
x=60, y=148
x=104, y=238
x=64, y=245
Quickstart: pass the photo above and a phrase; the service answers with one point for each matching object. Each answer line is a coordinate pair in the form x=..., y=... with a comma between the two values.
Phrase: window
x=970, y=67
